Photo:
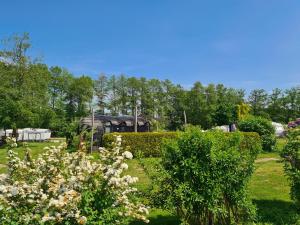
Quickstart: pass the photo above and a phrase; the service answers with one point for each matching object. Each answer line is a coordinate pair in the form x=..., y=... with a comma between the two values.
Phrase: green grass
x=269, y=190
x=280, y=142
x=36, y=148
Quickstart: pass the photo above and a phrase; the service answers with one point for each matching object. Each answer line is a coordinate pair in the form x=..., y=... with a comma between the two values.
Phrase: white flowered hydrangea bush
x=69, y=188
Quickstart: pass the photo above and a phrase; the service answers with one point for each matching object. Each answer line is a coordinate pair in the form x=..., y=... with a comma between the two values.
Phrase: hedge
x=148, y=144
x=291, y=156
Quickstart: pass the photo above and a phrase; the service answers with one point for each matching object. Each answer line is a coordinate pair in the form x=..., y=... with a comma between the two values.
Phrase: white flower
x=124, y=166
x=47, y=218
x=82, y=220
x=14, y=191
x=118, y=139
x=2, y=189
x=127, y=155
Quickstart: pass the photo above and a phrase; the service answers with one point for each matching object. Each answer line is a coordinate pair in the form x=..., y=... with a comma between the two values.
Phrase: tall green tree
x=133, y=86
x=275, y=107
x=113, y=105
x=79, y=95
x=177, y=107
x=292, y=103
x=23, y=85
x=196, y=100
x=258, y=101
x=101, y=91
x=122, y=94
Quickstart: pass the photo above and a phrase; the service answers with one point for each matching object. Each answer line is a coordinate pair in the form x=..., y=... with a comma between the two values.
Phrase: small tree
x=207, y=175
x=261, y=126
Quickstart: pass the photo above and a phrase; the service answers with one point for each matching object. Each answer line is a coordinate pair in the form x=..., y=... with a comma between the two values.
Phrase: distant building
x=108, y=124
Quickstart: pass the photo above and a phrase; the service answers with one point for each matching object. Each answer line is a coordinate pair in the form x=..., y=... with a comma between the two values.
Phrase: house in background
x=109, y=124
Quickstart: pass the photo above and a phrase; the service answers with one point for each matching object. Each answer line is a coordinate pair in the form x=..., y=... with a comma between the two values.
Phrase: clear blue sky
x=241, y=43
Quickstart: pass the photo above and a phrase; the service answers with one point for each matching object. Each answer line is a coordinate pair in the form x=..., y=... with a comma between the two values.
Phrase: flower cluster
x=49, y=189
x=11, y=142
x=113, y=170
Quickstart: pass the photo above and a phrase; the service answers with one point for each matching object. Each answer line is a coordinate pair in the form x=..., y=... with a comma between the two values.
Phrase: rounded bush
x=261, y=126
x=207, y=174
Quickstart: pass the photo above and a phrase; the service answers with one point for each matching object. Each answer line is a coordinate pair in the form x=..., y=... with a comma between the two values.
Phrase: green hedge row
x=144, y=144
x=148, y=144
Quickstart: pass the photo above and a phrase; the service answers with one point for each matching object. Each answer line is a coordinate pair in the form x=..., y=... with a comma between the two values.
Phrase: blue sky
x=241, y=43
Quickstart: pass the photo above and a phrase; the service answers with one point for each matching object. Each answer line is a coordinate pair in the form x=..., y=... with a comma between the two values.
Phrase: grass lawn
x=36, y=149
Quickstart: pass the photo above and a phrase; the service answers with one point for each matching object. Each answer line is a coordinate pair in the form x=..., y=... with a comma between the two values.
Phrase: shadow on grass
x=275, y=212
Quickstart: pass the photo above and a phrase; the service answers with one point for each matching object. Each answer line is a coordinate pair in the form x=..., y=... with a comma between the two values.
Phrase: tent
x=31, y=134
x=279, y=129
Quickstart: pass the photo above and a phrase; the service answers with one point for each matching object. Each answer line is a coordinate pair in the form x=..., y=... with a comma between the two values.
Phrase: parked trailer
x=30, y=134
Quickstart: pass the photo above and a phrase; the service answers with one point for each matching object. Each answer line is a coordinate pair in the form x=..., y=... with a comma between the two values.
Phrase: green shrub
x=141, y=144
x=206, y=176
x=261, y=126
x=291, y=156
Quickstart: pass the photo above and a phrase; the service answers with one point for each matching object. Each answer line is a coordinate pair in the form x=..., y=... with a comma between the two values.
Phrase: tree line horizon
x=32, y=94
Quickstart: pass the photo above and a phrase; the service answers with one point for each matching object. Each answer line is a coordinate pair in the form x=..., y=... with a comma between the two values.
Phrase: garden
x=195, y=178
x=186, y=170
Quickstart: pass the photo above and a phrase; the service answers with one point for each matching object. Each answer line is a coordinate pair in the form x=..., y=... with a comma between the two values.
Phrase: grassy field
x=268, y=188
x=35, y=147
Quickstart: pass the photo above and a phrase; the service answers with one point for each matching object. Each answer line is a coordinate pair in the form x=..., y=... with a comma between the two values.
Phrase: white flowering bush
x=69, y=188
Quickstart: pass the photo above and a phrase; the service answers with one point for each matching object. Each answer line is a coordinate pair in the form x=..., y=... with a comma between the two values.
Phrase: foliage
x=280, y=106
x=63, y=188
x=263, y=127
x=23, y=86
x=142, y=144
x=32, y=95
x=291, y=156
x=268, y=188
x=243, y=110
x=224, y=114
x=258, y=101
x=207, y=175
x=156, y=172
x=71, y=133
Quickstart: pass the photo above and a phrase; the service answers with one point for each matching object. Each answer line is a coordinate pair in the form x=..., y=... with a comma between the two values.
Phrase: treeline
x=207, y=106
x=34, y=95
